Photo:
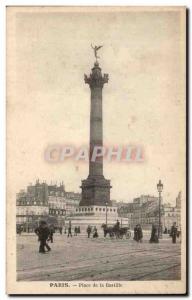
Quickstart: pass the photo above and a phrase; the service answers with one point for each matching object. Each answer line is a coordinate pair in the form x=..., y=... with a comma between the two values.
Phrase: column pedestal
x=95, y=191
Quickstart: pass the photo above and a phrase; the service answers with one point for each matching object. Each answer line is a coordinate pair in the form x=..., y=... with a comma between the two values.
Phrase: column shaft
x=96, y=131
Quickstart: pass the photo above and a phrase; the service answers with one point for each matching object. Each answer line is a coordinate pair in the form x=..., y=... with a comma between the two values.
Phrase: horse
x=108, y=230
x=117, y=232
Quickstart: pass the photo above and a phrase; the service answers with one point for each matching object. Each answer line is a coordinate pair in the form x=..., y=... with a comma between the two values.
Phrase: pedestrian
x=69, y=230
x=95, y=233
x=75, y=231
x=43, y=233
x=117, y=229
x=154, y=234
x=117, y=225
x=140, y=233
x=51, y=232
x=135, y=237
x=173, y=233
x=88, y=231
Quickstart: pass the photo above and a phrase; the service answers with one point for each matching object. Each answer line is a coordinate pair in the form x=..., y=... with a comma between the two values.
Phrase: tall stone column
x=96, y=82
x=96, y=189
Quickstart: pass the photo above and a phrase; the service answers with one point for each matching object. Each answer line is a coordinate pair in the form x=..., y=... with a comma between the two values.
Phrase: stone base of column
x=95, y=191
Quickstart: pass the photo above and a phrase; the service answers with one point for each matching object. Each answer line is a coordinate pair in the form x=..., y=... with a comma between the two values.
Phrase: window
x=88, y=209
x=103, y=209
x=96, y=209
x=99, y=209
x=85, y=209
x=110, y=209
x=114, y=210
x=79, y=209
x=91, y=208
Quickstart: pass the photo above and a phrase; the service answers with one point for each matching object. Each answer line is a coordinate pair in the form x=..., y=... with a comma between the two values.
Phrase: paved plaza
x=80, y=258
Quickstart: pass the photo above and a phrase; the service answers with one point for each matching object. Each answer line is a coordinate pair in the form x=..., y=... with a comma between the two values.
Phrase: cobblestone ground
x=80, y=258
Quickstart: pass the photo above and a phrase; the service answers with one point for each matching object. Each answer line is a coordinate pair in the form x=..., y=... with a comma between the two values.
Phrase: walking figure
x=43, y=233
x=88, y=231
x=75, y=231
x=69, y=230
x=138, y=233
x=173, y=233
x=118, y=224
x=60, y=230
x=95, y=233
x=154, y=234
x=51, y=232
x=135, y=237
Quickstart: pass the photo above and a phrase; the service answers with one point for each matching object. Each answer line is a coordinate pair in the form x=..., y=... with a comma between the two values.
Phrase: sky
x=48, y=52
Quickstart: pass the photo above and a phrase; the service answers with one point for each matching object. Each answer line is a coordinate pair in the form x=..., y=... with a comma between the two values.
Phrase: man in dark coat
x=60, y=230
x=69, y=230
x=88, y=231
x=43, y=233
x=174, y=233
x=117, y=225
x=95, y=233
x=154, y=234
x=140, y=233
x=75, y=231
x=135, y=237
x=51, y=232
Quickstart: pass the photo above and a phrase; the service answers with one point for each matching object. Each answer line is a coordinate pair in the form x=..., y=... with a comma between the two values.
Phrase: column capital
x=96, y=79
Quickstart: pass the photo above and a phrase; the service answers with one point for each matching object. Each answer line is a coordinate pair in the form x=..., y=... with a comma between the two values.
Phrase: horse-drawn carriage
x=115, y=231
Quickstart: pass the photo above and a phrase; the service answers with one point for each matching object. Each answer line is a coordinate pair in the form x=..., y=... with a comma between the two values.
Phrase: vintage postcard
x=96, y=150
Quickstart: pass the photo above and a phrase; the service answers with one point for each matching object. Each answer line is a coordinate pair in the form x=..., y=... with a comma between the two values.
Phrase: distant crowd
x=46, y=232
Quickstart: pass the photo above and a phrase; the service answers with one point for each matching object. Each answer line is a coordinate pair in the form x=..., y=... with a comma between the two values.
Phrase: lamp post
x=160, y=189
x=106, y=212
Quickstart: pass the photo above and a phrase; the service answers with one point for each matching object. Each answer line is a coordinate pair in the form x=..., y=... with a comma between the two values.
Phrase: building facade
x=144, y=210
x=173, y=214
x=43, y=201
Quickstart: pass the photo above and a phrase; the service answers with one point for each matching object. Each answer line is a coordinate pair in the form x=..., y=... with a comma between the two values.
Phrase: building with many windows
x=172, y=213
x=144, y=210
x=125, y=210
x=43, y=201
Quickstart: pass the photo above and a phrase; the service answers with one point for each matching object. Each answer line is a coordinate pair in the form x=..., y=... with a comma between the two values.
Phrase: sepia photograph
x=96, y=150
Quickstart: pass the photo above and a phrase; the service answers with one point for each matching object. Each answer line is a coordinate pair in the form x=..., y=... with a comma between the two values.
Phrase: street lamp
x=106, y=212
x=160, y=189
